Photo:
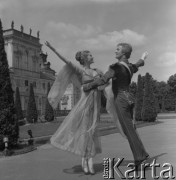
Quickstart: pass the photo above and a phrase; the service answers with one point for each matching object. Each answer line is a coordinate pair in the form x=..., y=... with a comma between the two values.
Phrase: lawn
x=46, y=129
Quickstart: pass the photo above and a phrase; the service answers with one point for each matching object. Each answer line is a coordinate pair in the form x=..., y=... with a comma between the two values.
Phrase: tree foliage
x=8, y=120
x=32, y=113
x=162, y=94
x=133, y=88
x=139, y=99
x=149, y=104
x=172, y=82
x=49, y=113
x=18, y=108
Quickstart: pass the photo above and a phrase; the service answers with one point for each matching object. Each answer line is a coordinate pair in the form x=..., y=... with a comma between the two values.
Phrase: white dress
x=77, y=133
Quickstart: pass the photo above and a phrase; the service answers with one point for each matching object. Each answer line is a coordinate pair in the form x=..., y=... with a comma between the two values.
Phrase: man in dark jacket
x=121, y=74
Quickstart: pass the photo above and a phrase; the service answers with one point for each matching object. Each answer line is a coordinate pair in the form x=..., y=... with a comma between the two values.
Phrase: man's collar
x=124, y=59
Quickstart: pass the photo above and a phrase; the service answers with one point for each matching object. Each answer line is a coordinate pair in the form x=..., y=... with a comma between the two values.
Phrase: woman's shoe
x=90, y=166
x=85, y=166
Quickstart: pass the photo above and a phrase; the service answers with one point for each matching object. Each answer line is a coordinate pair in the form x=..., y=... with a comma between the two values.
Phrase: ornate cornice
x=12, y=34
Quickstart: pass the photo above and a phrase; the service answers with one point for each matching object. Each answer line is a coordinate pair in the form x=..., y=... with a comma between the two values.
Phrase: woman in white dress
x=77, y=132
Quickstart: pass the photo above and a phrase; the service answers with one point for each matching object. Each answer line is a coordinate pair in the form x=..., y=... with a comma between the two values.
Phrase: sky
x=98, y=26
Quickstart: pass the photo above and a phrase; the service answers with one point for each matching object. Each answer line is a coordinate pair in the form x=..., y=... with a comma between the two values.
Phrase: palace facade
x=29, y=65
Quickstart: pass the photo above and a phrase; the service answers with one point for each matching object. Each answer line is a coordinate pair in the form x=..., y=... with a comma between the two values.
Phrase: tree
x=163, y=90
x=133, y=88
x=156, y=94
x=172, y=83
x=8, y=121
x=32, y=114
x=170, y=102
x=139, y=99
x=19, y=112
x=49, y=113
x=149, y=104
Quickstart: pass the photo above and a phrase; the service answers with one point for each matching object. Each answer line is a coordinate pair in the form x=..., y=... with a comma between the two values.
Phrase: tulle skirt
x=77, y=133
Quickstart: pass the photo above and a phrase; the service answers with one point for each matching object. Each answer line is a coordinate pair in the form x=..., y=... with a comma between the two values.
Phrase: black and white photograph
x=87, y=89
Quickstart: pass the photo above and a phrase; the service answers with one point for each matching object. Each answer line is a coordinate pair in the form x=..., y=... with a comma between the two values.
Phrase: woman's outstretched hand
x=144, y=55
x=47, y=44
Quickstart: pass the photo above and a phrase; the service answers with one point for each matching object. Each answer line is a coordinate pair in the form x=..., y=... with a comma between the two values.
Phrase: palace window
x=18, y=82
x=34, y=84
x=43, y=85
x=17, y=62
x=26, y=83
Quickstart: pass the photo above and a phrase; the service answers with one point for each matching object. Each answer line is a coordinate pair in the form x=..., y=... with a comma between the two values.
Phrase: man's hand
x=144, y=55
x=86, y=88
x=102, y=87
x=92, y=85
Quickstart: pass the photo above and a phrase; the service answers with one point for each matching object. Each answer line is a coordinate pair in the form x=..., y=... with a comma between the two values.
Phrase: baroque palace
x=28, y=64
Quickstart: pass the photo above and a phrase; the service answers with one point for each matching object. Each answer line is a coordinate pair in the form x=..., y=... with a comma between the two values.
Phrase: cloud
x=71, y=2
x=8, y=7
x=53, y=3
x=109, y=40
x=168, y=59
x=67, y=31
x=108, y=1
x=92, y=38
x=3, y=5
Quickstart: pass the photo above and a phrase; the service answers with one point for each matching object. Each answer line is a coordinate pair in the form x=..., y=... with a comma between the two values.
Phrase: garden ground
x=50, y=163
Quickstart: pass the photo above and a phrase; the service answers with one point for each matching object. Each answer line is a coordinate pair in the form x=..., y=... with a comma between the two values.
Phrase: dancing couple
x=77, y=133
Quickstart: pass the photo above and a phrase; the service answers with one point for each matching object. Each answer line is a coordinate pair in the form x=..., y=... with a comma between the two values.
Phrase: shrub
x=139, y=99
x=8, y=120
x=18, y=108
x=31, y=109
x=149, y=104
x=49, y=113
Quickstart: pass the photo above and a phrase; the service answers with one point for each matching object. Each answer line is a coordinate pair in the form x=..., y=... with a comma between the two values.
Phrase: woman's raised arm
x=58, y=54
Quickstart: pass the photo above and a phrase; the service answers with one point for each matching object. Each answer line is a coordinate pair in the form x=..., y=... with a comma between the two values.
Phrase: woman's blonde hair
x=81, y=56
